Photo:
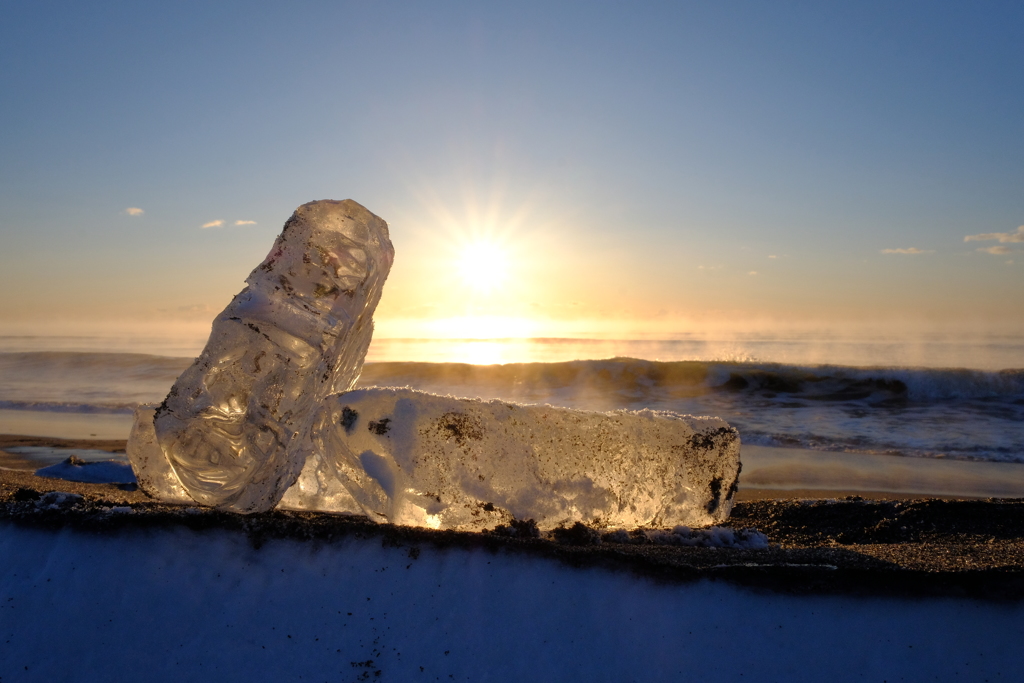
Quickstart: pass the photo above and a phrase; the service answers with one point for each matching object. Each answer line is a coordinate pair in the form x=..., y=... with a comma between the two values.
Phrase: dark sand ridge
x=824, y=542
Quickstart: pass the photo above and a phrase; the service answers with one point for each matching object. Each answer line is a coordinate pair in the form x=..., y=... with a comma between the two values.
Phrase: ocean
x=932, y=398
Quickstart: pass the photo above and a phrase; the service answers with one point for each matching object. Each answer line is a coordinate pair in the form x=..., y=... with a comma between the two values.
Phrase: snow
x=102, y=472
x=56, y=500
x=711, y=537
x=178, y=605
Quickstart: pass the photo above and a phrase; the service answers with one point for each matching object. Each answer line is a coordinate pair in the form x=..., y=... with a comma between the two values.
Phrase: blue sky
x=643, y=166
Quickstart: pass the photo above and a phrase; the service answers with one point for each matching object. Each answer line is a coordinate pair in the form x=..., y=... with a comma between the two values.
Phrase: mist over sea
x=930, y=398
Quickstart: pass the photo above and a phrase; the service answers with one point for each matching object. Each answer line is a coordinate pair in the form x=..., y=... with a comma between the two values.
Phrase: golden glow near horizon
x=518, y=206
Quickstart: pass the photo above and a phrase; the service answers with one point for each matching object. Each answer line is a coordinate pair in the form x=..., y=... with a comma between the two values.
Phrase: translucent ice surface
x=413, y=458
x=226, y=433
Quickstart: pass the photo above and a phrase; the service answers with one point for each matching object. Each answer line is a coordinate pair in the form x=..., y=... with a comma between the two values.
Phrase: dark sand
x=821, y=541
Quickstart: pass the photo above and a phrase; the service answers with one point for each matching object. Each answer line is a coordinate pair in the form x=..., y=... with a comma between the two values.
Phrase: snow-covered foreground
x=178, y=605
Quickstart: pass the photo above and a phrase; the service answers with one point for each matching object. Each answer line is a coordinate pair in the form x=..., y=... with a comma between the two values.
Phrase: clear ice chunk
x=419, y=459
x=227, y=433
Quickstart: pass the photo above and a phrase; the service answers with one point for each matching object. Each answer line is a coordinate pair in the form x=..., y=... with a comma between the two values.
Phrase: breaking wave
x=958, y=413
x=632, y=379
x=66, y=381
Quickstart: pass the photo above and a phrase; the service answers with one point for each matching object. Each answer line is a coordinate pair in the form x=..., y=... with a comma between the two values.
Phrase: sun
x=483, y=266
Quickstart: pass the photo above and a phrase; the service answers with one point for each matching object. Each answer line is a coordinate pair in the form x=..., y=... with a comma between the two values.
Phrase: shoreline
x=769, y=473
x=820, y=541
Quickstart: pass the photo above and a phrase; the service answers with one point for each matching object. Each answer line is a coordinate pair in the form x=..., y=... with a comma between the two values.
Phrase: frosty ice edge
x=264, y=417
x=414, y=458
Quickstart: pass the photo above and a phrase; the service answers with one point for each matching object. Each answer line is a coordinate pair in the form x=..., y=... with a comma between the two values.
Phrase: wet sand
x=821, y=540
x=66, y=425
x=779, y=472
x=15, y=440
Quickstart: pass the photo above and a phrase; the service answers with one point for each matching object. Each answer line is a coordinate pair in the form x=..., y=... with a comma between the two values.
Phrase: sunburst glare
x=483, y=266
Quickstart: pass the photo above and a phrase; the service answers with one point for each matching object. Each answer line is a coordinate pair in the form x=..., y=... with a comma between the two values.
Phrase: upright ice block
x=228, y=429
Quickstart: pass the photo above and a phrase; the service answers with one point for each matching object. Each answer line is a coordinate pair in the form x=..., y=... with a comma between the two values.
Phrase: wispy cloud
x=245, y=222
x=134, y=211
x=997, y=250
x=213, y=224
x=1017, y=236
x=908, y=250
x=753, y=272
